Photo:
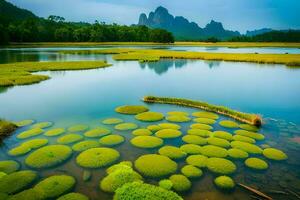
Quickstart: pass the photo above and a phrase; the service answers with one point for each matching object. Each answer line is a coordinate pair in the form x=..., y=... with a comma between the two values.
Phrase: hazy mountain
x=258, y=31
x=12, y=12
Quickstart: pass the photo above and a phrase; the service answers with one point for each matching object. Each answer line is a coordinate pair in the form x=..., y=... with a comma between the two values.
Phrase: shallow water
x=71, y=97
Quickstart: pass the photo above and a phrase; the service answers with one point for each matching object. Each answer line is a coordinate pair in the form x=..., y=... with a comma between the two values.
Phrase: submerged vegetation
x=6, y=128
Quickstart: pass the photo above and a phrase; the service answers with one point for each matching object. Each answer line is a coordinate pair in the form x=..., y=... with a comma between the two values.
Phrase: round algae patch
x=204, y=120
x=201, y=126
x=214, y=151
x=178, y=118
x=126, y=126
x=84, y=145
x=131, y=109
x=224, y=182
x=154, y=128
x=172, y=152
x=223, y=134
x=153, y=165
x=111, y=140
x=42, y=125
x=237, y=153
x=97, y=157
x=243, y=139
x=221, y=165
x=112, y=121
x=249, y=148
x=165, y=184
x=73, y=196
x=27, y=146
x=169, y=126
x=146, y=142
x=229, y=124
x=248, y=127
x=178, y=113
x=30, y=133
x=9, y=166
x=141, y=131
x=149, y=116
x=97, y=132
x=194, y=139
x=55, y=132
x=78, y=128
x=256, y=163
x=274, y=154
x=197, y=160
x=199, y=132
x=218, y=142
x=24, y=122
x=191, y=171
x=180, y=182
x=168, y=133
x=191, y=148
x=69, y=138
x=254, y=135
x=209, y=115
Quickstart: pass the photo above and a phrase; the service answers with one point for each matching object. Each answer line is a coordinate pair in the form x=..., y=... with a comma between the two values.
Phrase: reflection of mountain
x=163, y=66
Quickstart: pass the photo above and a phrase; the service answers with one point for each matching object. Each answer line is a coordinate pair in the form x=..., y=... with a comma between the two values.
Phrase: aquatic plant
x=97, y=157
x=69, y=138
x=243, y=139
x=9, y=166
x=73, y=196
x=56, y=185
x=19, y=150
x=197, y=160
x=42, y=125
x=27, y=146
x=172, y=152
x=97, y=132
x=224, y=182
x=168, y=133
x=256, y=163
x=30, y=133
x=141, y=132
x=220, y=165
x=154, y=127
x=218, y=142
x=31, y=194
x=165, y=184
x=146, y=141
x=274, y=154
x=201, y=126
x=214, y=151
x=248, y=127
x=222, y=134
x=143, y=191
x=86, y=175
x=191, y=148
x=111, y=140
x=6, y=128
x=24, y=122
x=126, y=126
x=149, y=116
x=17, y=181
x=48, y=156
x=237, y=153
x=153, y=165
x=78, y=128
x=121, y=165
x=180, y=182
x=229, y=124
x=252, y=119
x=169, y=126
x=194, y=139
x=199, y=132
x=131, y=109
x=249, y=148
x=178, y=118
x=191, y=171
x=256, y=136
x=112, y=121
x=203, y=120
x=55, y=132
x=84, y=145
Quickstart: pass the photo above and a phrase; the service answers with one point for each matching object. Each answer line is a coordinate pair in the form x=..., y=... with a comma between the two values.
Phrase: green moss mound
x=165, y=184
x=48, y=156
x=143, y=191
x=191, y=148
x=27, y=146
x=56, y=185
x=31, y=194
x=141, y=132
x=78, y=128
x=111, y=140
x=69, y=138
x=223, y=134
x=149, y=116
x=30, y=133
x=204, y=120
x=42, y=125
x=191, y=171
x=178, y=118
x=249, y=148
x=17, y=181
x=243, y=139
x=274, y=154
x=97, y=132
x=214, y=151
x=180, y=182
x=24, y=122
x=197, y=160
x=228, y=124
x=121, y=165
x=237, y=153
x=178, y=113
x=9, y=166
x=169, y=126
x=73, y=196
x=256, y=136
x=168, y=133
x=218, y=142
x=19, y=150
x=154, y=128
x=194, y=139
x=84, y=145
x=209, y=115
x=55, y=132
x=146, y=142
x=97, y=157
x=221, y=166
x=224, y=182
x=201, y=126
x=172, y=152
x=131, y=109
x=199, y=132
x=126, y=126
x=256, y=163
x=111, y=121
x=248, y=127
x=153, y=165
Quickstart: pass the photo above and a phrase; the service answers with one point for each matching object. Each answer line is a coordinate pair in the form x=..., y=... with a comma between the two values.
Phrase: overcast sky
x=238, y=15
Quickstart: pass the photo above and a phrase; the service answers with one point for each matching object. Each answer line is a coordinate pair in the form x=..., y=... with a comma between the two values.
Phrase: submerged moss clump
x=56, y=185
x=218, y=142
x=73, y=196
x=17, y=181
x=69, y=138
x=42, y=125
x=168, y=133
x=84, y=145
x=178, y=113
x=146, y=142
x=223, y=134
x=191, y=171
x=97, y=157
x=237, y=153
x=274, y=154
x=112, y=121
x=248, y=127
x=197, y=160
x=256, y=163
x=243, y=139
x=97, y=132
x=165, y=184
x=178, y=118
x=121, y=165
x=131, y=109
x=209, y=115
x=249, y=148
x=126, y=126
x=48, y=156
x=256, y=136
x=214, y=151
x=169, y=126
x=111, y=140
x=191, y=148
x=204, y=120
x=24, y=122
x=221, y=165
x=229, y=124
x=194, y=139
x=154, y=127
x=30, y=133
x=31, y=194
x=172, y=152
x=224, y=182
x=153, y=165
x=55, y=132
x=149, y=116
x=27, y=146
x=201, y=126
x=9, y=166
x=141, y=132
x=78, y=128
x=180, y=182
x=199, y=132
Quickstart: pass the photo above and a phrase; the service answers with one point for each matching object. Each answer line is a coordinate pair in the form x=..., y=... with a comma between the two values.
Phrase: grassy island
x=252, y=119
x=6, y=128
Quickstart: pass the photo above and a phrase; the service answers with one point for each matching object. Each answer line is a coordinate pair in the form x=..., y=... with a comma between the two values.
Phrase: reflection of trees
x=212, y=64
x=17, y=56
x=163, y=65
x=3, y=89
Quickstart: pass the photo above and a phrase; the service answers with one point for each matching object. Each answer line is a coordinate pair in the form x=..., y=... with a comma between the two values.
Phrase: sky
x=240, y=15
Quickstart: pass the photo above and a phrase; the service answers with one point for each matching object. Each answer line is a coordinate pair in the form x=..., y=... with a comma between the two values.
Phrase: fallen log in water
x=255, y=191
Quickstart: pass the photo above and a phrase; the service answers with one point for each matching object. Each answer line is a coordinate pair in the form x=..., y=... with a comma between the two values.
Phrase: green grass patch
x=131, y=109
x=256, y=163
x=224, y=182
x=73, y=196
x=30, y=133
x=149, y=116
x=194, y=139
x=220, y=166
x=191, y=148
x=111, y=140
x=168, y=133
x=112, y=121
x=147, y=142
x=229, y=124
x=191, y=171
x=172, y=152
x=84, y=145
x=197, y=160
x=274, y=154
x=126, y=126
x=214, y=151
x=141, y=131
x=180, y=183
x=69, y=138
x=54, y=132
x=9, y=166
x=249, y=148
x=97, y=132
